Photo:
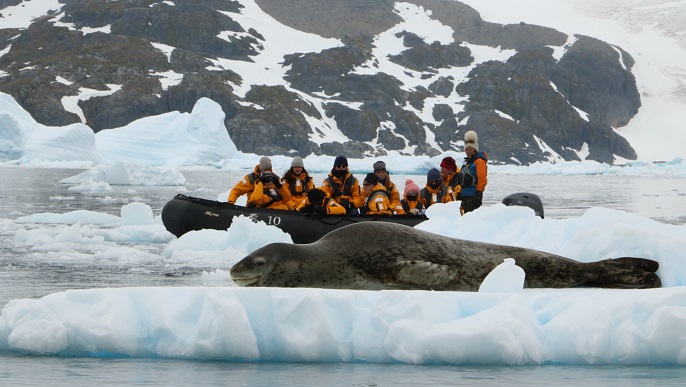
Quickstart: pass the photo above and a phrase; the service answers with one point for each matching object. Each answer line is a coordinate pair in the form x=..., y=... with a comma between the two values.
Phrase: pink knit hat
x=410, y=187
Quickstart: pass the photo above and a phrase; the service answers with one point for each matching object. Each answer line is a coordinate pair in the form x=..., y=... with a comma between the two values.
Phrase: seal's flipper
x=625, y=273
x=641, y=263
x=418, y=274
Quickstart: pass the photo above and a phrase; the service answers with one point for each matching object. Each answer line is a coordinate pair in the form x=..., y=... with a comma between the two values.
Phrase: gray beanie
x=265, y=163
x=297, y=162
x=379, y=166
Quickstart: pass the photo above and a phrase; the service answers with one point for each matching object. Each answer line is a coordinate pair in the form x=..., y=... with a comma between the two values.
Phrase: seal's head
x=271, y=265
x=249, y=270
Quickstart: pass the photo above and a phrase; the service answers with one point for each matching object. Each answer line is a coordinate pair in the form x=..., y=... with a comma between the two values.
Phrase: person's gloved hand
x=320, y=210
x=266, y=178
x=306, y=209
x=478, y=198
x=277, y=181
x=347, y=204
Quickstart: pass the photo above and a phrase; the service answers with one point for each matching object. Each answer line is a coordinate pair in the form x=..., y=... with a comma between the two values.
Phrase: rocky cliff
x=544, y=96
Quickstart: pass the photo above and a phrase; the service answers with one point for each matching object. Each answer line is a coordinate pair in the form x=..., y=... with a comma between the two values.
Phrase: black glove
x=346, y=204
x=478, y=199
x=306, y=209
x=267, y=177
x=320, y=210
x=277, y=182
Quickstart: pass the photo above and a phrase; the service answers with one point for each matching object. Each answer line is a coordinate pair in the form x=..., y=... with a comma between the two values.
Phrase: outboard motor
x=525, y=199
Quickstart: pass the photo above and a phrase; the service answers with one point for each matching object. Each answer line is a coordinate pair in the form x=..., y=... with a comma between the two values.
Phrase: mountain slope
x=331, y=77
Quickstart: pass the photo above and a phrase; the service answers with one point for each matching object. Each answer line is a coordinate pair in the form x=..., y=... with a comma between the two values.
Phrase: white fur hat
x=471, y=140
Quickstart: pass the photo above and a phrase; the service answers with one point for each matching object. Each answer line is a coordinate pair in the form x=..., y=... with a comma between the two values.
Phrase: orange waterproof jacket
x=300, y=185
x=378, y=202
x=245, y=186
x=394, y=197
x=354, y=195
x=332, y=208
x=474, y=175
x=412, y=207
x=452, y=187
x=481, y=174
x=264, y=198
x=429, y=196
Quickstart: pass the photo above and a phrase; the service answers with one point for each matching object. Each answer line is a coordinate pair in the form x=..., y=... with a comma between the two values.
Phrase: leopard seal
x=382, y=255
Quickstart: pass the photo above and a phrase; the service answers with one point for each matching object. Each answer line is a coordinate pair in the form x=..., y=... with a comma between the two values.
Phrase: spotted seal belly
x=354, y=257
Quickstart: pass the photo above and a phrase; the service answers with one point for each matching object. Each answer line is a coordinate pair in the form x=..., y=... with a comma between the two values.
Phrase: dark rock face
x=172, y=25
x=442, y=87
x=525, y=89
x=357, y=124
x=334, y=18
x=532, y=107
x=426, y=57
x=136, y=98
x=594, y=77
x=9, y=3
x=279, y=123
x=209, y=84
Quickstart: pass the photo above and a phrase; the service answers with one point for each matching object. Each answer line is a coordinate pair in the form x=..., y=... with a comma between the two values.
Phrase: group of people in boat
x=340, y=192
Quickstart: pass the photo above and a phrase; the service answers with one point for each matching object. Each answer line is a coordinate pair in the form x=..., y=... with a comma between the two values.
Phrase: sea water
x=55, y=371
x=26, y=191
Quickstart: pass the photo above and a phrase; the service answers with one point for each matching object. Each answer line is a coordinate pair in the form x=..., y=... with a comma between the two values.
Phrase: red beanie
x=449, y=163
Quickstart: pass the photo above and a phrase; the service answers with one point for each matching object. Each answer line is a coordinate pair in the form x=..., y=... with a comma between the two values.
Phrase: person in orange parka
x=269, y=193
x=450, y=176
x=473, y=174
x=316, y=202
x=377, y=201
x=247, y=185
x=434, y=191
x=410, y=202
x=298, y=181
x=393, y=193
x=343, y=187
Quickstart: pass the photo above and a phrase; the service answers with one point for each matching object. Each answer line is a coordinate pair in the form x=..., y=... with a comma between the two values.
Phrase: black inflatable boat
x=186, y=213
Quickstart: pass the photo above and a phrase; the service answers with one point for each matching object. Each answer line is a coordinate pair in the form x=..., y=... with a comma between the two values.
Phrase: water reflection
x=55, y=371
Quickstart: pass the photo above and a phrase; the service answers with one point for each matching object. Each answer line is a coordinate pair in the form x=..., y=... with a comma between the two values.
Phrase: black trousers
x=470, y=203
